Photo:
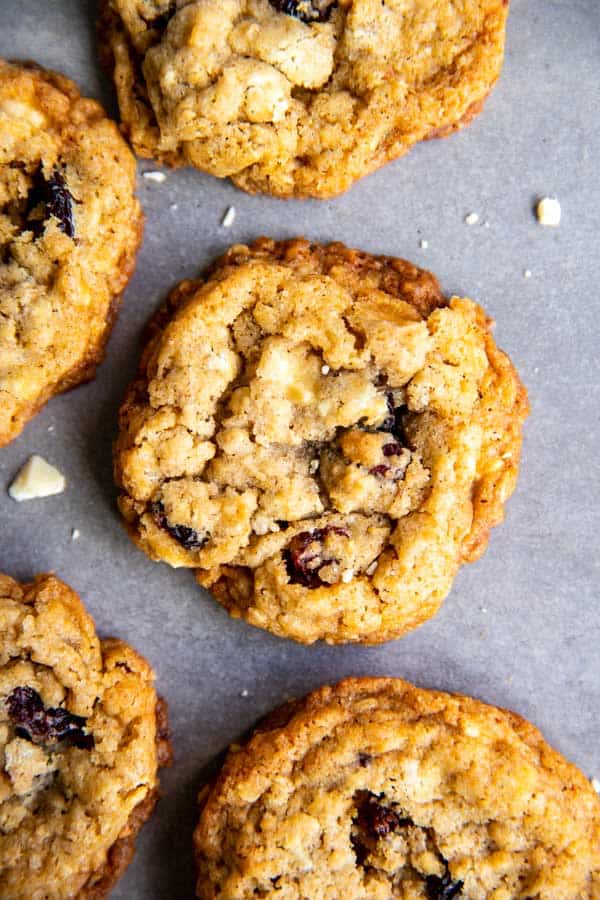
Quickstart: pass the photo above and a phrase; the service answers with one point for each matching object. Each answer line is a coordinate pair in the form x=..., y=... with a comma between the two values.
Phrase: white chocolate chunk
x=36, y=479
x=548, y=212
x=157, y=177
x=228, y=218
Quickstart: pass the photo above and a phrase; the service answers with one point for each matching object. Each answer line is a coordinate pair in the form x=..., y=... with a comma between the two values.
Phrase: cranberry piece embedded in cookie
x=183, y=534
x=442, y=888
x=45, y=726
x=304, y=556
x=377, y=820
x=50, y=197
x=306, y=10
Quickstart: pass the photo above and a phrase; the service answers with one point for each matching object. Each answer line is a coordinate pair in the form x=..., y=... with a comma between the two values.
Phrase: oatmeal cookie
x=82, y=734
x=375, y=789
x=70, y=227
x=322, y=435
x=297, y=97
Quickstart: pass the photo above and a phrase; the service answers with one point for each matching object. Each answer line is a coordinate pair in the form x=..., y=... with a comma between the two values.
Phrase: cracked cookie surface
x=70, y=227
x=322, y=436
x=375, y=789
x=82, y=734
x=297, y=97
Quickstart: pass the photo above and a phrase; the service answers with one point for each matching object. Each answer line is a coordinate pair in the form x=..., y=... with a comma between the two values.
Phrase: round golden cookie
x=82, y=734
x=375, y=789
x=70, y=227
x=323, y=436
x=297, y=97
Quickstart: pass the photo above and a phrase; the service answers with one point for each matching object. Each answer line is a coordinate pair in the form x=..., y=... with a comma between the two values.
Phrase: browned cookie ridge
x=82, y=736
x=374, y=789
x=322, y=435
x=297, y=97
x=70, y=227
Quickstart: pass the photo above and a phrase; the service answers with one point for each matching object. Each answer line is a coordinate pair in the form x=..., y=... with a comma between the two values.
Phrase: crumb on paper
x=37, y=478
x=229, y=217
x=173, y=207
x=486, y=224
x=75, y=534
x=596, y=785
x=244, y=693
x=50, y=428
x=423, y=245
x=155, y=176
x=536, y=370
x=548, y=212
x=472, y=218
x=527, y=273
x=483, y=609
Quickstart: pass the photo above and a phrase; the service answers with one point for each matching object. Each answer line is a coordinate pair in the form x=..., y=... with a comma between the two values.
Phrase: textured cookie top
x=69, y=229
x=79, y=745
x=322, y=436
x=298, y=97
x=375, y=789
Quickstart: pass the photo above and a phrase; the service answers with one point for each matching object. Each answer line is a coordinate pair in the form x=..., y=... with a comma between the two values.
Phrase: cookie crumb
x=596, y=785
x=244, y=693
x=229, y=217
x=472, y=219
x=75, y=534
x=486, y=224
x=50, y=428
x=174, y=207
x=527, y=273
x=37, y=478
x=548, y=212
x=423, y=245
x=157, y=177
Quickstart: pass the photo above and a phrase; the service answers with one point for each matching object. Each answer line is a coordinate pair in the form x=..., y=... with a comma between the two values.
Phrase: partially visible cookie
x=323, y=436
x=70, y=227
x=375, y=789
x=297, y=97
x=82, y=735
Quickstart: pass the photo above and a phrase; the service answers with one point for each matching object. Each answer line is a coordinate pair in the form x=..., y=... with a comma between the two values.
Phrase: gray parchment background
x=521, y=627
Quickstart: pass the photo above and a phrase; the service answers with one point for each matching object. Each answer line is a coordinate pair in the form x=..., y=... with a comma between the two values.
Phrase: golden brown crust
x=387, y=789
x=61, y=279
x=339, y=98
x=389, y=540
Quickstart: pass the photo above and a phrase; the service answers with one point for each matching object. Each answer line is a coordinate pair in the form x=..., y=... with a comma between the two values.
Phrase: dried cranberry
x=186, y=536
x=377, y=820
x=45, y=726
x=393, y=449
x=380, y=470
x=306, y=10
x=304, y=560
x=50, y=197
x=442, y=888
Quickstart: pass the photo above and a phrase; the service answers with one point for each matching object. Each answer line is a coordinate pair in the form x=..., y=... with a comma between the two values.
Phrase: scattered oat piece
x=157, y=177
x=37, y=478
x=229, y=217
x=325, y=370
x=75, y=534
x=548, y=212
x=423, y=245
x=472, y=219
x=527, y=273
x=596, y=785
